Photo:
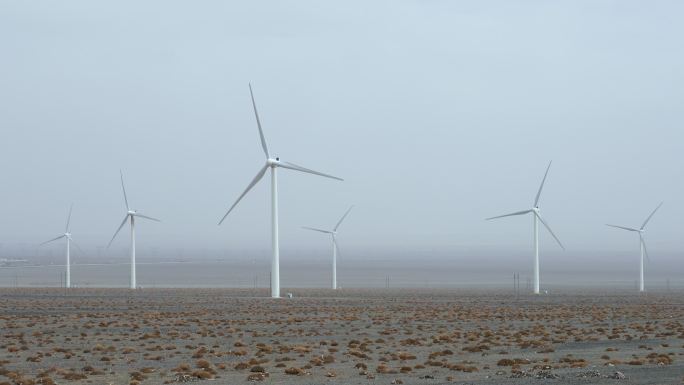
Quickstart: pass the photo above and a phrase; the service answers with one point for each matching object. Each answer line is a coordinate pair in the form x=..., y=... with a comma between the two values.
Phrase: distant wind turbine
x=67, y=236
x=273, y=164
x=642, y=245
x=335, y=250
x=536, y=216
x=130, y=214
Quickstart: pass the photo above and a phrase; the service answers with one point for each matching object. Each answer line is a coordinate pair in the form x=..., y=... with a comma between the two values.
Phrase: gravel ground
x=229, y=336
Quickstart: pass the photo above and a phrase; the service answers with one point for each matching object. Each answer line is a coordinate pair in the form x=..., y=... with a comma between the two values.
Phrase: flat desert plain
x=350, y=336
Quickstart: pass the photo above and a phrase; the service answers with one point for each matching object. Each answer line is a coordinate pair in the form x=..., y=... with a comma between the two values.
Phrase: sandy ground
x=229, y=336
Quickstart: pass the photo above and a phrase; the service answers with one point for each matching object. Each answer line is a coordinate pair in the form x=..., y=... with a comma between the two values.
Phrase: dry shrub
x=203, y=364
x=295, y=371
x=138, y=376
x=202, y=374
x=384, y=369
x=182, y=367
x=73, y=376
x=505, y=362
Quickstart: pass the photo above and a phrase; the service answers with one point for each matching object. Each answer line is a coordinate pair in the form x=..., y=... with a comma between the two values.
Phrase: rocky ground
x=160, y=336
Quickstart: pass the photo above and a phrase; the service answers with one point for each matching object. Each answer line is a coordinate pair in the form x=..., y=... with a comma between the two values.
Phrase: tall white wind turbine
x=130, y=215
x=536, y=218
x=67, y=236
x=335, y=250
x=273, y=164
x=642, y=245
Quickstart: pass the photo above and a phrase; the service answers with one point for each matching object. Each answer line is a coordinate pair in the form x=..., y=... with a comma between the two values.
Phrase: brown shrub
x=505, y=362
x=294, y=371
x=203, y=364
x=202, y=374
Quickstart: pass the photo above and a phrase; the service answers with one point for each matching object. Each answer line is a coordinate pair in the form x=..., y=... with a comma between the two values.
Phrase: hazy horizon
x=437, y=115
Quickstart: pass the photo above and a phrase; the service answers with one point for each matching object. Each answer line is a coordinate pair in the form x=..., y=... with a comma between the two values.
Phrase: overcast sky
x=438, y=114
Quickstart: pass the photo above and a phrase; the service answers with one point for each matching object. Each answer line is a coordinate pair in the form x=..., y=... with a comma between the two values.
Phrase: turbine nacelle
x=273, y=162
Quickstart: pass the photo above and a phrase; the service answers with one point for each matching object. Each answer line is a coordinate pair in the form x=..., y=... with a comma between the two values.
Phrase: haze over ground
x=437, y=114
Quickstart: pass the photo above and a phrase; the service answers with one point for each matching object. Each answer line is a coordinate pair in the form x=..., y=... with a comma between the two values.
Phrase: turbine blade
x=124, y=191
x=117, y=230
x=69, y=218
x=254, y=181
x=295, y=167
x=261, y=132
x=643, y=244
x=510, y=215
x=536, y=200
x=146, y=217
x=624, y=228
x=341, y=219
x=53, y=239
x=315, y=229
x=649, y=217
x=550, y=231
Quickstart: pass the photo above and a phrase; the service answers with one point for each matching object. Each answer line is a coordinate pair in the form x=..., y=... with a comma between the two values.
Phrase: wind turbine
x=130, y=214
x=536, y=218
x=335, y=250
x=67, y=236
x=273, y=164
x=642, y=244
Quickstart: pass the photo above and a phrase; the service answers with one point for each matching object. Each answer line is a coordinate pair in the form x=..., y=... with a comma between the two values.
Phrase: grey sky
x=438, y=114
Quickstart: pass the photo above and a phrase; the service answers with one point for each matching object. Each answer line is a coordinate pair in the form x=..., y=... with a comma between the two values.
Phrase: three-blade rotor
x=270, y=162
x=332, y=232
x=535, y=210
x=66, y=234
x=640, y=230
x=129, y=212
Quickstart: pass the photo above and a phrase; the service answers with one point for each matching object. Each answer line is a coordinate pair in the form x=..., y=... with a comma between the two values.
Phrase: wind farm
x=440, y=149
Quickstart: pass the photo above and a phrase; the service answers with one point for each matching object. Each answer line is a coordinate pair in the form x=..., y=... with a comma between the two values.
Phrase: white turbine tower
x=536, y=216
x=130, y=214
x=642, y=245
x=335, y=250
x=273, y=164
x=67, y=236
